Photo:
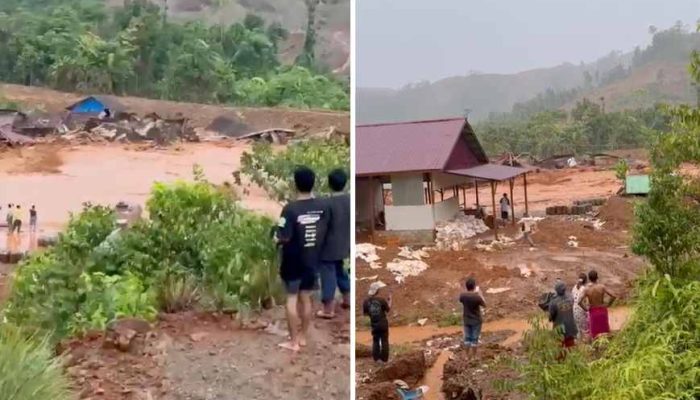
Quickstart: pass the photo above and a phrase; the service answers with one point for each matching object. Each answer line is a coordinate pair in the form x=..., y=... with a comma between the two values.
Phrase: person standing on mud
x=337, y=246
x=302, y=231
x=472, y=300
x=580, y=315
x=561, y=314
x=505, y=207
x=597, y=307
x=10, y=217
x=17, y=219
x=527, y=226
x=32, y=219
x=376, y=308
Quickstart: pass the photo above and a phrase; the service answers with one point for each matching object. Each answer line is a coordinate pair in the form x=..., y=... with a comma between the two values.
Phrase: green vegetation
x=586, y=129
x=198, y=240
x=273, y=170
x=28, y=370
x=656, y=355
x=77, y=45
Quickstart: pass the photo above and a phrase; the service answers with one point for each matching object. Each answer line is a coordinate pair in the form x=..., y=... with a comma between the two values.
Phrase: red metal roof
x=419, y=146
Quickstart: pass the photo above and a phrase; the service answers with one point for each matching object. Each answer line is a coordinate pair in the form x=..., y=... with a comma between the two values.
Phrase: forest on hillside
x=80, y=45
x=636, y=79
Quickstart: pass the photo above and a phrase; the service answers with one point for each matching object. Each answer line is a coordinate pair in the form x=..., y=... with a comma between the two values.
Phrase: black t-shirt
x=302, y=229
x=376, y=308
x=472, y=303
x=32, y=212
x=337, y=245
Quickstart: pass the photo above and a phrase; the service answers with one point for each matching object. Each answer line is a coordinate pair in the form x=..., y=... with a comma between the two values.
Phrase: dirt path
x=104, y=174
x=207, y=356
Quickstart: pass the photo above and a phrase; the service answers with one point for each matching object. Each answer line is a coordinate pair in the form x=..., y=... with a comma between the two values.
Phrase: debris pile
x=493, y=245
x=368, y=253
x=405, y=268
x=151, y=128
x=454, y=234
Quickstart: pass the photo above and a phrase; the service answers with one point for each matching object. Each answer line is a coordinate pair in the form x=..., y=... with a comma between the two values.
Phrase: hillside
x=333, y=20
x=629, y=80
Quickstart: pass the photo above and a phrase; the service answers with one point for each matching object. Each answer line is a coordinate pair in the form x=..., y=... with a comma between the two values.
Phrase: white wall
x=407, y=190
x=363, y=209
x=403, y=218
x=446, y=210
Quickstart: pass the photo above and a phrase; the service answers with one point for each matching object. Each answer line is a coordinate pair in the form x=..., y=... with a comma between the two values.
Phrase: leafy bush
x=621, y=169
x=274, y=170
x=199, y=239
x=28, y=370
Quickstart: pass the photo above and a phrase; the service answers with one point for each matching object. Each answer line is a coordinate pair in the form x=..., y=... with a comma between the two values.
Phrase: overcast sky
x=404, y=41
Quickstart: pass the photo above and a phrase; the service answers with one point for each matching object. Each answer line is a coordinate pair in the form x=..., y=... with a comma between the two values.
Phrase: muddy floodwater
x=58, y=180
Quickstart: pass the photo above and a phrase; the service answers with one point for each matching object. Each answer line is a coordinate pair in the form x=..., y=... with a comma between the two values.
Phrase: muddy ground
x=200, y=115
x=434, y=293
x=192, y=356
x=517, y=273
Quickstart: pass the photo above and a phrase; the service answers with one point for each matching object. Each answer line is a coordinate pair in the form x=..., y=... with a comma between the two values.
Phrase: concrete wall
x=407, y=190
x=445, y=210
x=363, y=205
x=404, y=218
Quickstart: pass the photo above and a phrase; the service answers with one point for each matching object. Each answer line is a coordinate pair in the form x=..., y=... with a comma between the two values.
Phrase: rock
x=47, y=240
x=126, y=334
x=198, y=336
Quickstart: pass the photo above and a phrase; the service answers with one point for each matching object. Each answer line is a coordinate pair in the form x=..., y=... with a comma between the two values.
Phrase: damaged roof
x=111, y=102
x=418, y=146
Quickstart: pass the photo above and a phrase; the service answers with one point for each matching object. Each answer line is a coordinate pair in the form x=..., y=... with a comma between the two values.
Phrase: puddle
x=433, y=377
x=411, y=334
x=18, y=243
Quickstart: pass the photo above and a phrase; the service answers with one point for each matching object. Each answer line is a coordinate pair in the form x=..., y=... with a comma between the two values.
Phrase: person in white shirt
x=505, y=207
x=527, y=226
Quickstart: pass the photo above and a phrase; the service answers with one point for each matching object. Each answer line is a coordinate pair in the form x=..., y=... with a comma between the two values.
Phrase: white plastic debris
x=493, y=245
x=405, y=268
x=369, y=278
x=571, y=162
x=422, y=321
x=525, y=272
x=368, y=253
x=497, y=290
x=454, y=234
x=409, y=254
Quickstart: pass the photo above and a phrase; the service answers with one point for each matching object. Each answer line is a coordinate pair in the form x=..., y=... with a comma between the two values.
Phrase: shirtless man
x=597, y=308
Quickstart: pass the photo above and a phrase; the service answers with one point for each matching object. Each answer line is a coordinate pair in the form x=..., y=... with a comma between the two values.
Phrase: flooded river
x=107, y=174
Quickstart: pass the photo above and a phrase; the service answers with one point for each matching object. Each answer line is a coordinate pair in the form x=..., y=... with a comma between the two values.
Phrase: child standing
x=472, y=301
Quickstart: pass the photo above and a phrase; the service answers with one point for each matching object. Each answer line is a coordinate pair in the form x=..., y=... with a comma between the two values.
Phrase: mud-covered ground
x=192, y=356
x=434, y=293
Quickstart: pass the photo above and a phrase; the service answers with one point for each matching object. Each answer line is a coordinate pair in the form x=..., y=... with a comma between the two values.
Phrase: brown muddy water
x=433, y=377
x=106, y=174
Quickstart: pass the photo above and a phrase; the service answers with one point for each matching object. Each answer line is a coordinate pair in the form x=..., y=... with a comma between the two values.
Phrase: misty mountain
x=639, y=78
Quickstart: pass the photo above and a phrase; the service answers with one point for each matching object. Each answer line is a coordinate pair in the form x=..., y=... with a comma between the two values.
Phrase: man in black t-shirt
x=301, y=231
x=472, y=301
x=376, y=308
x=337, y=246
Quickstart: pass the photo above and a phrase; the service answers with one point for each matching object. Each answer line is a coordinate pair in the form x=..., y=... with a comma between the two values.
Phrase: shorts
x=306, y=283
x=568, y=342
x=471, y=335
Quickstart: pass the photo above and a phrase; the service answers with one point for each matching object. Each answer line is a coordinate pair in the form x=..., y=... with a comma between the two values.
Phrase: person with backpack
x=376, y=307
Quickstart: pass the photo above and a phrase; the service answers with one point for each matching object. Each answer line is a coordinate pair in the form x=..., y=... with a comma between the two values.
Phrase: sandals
x=323, y=315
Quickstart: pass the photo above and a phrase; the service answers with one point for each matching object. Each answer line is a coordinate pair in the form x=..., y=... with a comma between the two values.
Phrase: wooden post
x=442, y=194
x=512, y=202
x=476, y=186
x=525, y=184
x=372, y=196
x=493, y=204
x=464, y=196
